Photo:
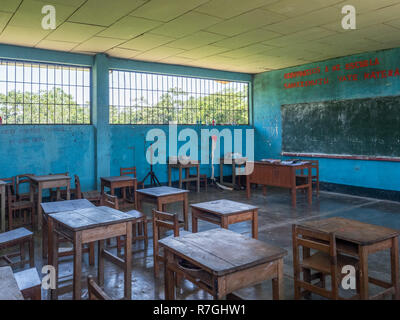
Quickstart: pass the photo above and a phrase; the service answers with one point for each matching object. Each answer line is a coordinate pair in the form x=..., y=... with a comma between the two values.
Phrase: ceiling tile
x=245, y=22
x=122, y=53
x=74, y=32
x=21, y=36
x=312, y=19
x=4, y=18
x=301, y=36
x=98, y=44
x=177, y=60
x=246, y=51
x=186, y=24
x=146, y=42
x=163, y=10
x=202, y=52
x=247, y=38
x=9, y=5
x=158, y=53
x=196, y=40
x=129, y=27
x=394, y=23
x=56, y=45
x=363, y=6
x=104, y=12
x=29, y=14
x=293, y=8
x=230, y=8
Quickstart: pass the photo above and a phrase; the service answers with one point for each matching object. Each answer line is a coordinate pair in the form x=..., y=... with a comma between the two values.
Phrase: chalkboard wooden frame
x=339, y=156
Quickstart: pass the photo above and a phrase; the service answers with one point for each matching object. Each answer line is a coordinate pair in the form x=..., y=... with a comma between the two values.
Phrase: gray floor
x=275, y=219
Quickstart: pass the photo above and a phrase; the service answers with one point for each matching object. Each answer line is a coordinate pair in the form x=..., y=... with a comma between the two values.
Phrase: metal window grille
x=146, y=98
x=40, y=93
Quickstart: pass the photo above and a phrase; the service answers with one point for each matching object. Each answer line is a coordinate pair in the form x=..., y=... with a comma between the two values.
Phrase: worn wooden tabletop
x=223, y=207
x=117, y=178
x=9, y=288
x=90, y=218
x=352, y=230
x=68, y=205
x=52, y=177
x=161, y=191
x=222, y=251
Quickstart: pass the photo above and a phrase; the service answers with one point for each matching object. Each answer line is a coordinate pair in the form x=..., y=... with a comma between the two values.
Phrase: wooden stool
x=17, y=237
x=29, y=283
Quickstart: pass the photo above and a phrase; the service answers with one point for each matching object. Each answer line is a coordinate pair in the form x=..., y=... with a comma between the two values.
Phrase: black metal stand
x=153, y=177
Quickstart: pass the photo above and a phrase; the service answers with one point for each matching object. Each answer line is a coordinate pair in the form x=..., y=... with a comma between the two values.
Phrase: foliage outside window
x=144, y=98
x=38, y=93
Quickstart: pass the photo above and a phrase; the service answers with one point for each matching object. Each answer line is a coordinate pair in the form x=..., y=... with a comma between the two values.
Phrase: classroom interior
x=199, y=149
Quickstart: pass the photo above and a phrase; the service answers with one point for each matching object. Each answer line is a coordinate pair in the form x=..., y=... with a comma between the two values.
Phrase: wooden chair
x=29, y=283
x=140, y=220
x=93, y=196
x=10, y=184
x=203, y=180
x=303, y=176
x=20, y=180
x=131, y=172
x=17, y=237
x=167, y=221
x=24, y=208
x=325, y=261
x=61, y=194
x=94, y=290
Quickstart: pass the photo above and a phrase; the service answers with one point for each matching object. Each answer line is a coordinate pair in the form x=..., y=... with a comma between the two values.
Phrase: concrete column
x=100, y=117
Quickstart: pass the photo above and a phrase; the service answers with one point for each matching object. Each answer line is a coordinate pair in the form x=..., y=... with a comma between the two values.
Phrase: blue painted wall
x=270, y=93
x=95, y=150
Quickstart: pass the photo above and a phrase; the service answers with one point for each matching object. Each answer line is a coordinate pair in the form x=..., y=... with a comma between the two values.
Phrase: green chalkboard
x=366, y=127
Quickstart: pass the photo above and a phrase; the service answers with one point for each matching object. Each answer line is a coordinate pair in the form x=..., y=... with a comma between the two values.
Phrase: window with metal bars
x=41, y=93
x=146, y=98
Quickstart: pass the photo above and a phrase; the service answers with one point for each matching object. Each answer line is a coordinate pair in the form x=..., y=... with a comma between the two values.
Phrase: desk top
x=222, y=251
x=89, y=218
x=68, y=205
x=51, y=177
x=3, y=183
x=117, y=178
x=352, y=230
x=223, y=207
x=161, y=191
x=9, y=288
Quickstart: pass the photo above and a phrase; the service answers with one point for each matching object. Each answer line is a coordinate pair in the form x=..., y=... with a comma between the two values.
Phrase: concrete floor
x=275, y=219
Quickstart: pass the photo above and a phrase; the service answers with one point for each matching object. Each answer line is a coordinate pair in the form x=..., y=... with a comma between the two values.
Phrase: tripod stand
x=153, y=177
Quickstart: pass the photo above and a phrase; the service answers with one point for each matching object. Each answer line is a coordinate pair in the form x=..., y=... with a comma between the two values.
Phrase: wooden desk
x=187, y=178
x=234, y=162
x=279, y=175
x=360, y=239
x=117, y=182
x=227, y=261
x=86, y=226
x=225, y=212
x=162, y=196
x=48, y=182
x=3, y=205
x=61, y=206
x=9, y=288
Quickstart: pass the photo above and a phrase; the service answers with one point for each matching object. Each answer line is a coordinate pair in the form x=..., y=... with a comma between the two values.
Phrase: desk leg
x=277, y=283
x=224, y=223
x=363, y=254
x=248, y=186
x=100, y=262
x=221, y=172
x=69, y=190
x=233, y=173
x=91, y=253
x=195, y=221
x=112, y=190
x=169, y=277
x=102, y=187
x=186, y=211
x=394, y=258
x=53, y=256
x=169, y=176
x=3, y=209
x=76, y=293
x=309, y=193
x=128, y=262
x=198, y=178
x=254, y=229
x=294, y=191
x=39, y=208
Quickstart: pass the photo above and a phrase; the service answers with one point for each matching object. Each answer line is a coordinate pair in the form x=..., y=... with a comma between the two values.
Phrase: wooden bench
x=17, y=237
x=29, y=283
